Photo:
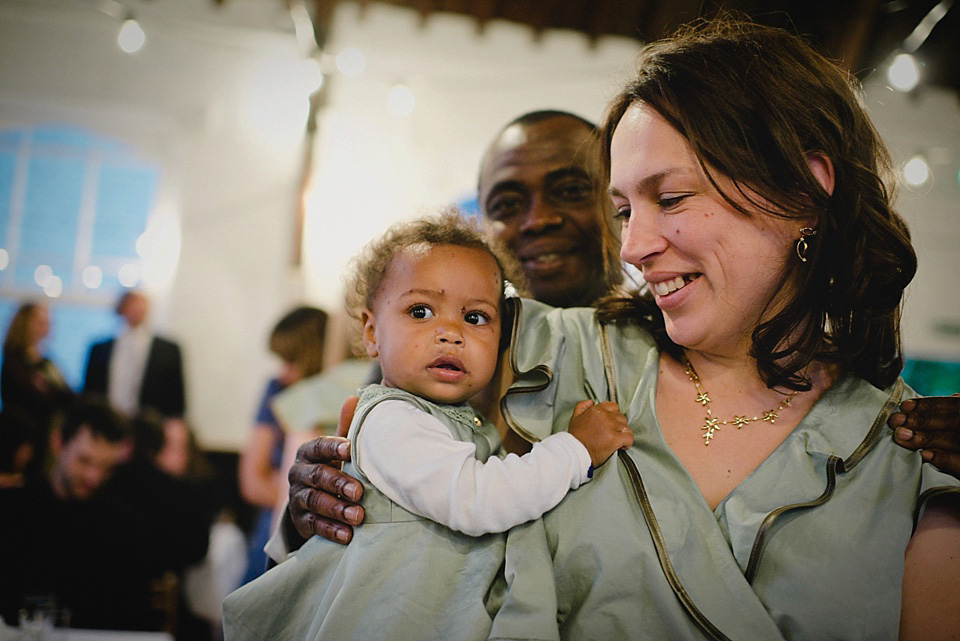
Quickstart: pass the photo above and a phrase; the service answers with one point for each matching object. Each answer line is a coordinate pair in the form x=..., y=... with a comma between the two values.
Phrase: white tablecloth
x=76, y=634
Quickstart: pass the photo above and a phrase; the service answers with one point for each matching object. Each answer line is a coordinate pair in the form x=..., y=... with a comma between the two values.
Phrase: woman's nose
x=641, y=239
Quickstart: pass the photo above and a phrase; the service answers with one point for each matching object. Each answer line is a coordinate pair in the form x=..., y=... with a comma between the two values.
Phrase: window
x=73, y=206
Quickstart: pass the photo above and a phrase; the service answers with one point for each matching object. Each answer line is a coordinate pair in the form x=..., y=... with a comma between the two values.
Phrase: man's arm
x=323, y=500
x=931, y=424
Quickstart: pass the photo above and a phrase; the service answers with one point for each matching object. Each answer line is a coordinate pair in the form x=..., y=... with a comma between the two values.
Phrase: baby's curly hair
x=449, y=227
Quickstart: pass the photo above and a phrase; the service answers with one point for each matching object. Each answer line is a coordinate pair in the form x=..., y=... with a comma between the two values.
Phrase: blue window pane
x=7, y=164
x=12, y=137
x=469, y=206
x=73, y=329
x=62, y=136
x=27, y=263
x=124, y=198
x=52, y=204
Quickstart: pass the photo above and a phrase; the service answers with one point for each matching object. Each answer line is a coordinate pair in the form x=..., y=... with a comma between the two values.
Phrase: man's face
x=135, y=310
x=540, y=189
x=84, y=464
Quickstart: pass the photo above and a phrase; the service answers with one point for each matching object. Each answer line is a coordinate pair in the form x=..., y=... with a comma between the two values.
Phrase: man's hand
x=931, y=424
x=323, y=500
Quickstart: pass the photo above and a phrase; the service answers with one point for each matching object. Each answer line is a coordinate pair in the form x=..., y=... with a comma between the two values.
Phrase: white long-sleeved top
x=413, y=459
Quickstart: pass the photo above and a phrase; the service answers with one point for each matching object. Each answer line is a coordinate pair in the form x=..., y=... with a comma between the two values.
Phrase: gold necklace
x=711, y=423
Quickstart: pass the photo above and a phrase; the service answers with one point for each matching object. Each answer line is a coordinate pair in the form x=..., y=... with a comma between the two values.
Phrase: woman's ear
x=822, y=169
x=369, y=322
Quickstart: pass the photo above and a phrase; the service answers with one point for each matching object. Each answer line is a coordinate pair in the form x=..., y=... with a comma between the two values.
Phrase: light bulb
x=131, y=37
x=351, y=62
x=904, y=73
x=916, y=171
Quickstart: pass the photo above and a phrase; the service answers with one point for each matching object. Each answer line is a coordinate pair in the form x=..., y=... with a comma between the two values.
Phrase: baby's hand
x=601, y=428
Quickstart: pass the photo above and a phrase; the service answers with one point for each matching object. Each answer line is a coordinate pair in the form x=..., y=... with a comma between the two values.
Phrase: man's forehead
x=542, y=146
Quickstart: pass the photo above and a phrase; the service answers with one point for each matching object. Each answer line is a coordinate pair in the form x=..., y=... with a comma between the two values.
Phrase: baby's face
x=435, y=322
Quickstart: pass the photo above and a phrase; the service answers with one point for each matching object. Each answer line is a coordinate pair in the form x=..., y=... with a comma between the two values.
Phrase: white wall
x=201, y=92
x=185, y=100
x=928, y=123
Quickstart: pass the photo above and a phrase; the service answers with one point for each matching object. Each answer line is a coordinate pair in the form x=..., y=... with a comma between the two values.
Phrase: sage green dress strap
x=401, y=578
x=809, y=546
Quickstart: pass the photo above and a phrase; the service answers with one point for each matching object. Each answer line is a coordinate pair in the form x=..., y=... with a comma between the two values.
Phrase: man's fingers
x=310, y=524
x=948, y=462
x=324, y=449
x=932, y=413
x=306, y=476
x=307, y=504
x=346, y=415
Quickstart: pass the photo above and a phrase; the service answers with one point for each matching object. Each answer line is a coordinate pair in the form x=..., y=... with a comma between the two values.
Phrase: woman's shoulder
x=536, y=315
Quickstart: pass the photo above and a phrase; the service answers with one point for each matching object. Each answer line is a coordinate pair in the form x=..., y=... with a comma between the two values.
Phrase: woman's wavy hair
x=18, y=340
x=755, y=102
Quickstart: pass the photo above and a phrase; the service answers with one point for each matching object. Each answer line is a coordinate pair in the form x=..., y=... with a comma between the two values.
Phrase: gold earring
x=802, y=245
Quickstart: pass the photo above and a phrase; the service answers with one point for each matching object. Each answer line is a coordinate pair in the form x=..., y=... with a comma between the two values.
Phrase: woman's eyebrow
x=645, y=183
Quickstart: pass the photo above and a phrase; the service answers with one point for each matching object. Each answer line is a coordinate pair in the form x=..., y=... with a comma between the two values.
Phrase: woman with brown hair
x=764, y=496
x=31, y=385
x=298, y=340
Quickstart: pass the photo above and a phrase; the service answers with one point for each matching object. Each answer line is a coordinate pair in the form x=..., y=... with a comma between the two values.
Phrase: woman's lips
x=672, y=292
x=671, y=285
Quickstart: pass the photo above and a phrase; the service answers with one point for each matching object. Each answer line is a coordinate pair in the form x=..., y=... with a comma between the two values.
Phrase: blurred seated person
x=137, y=369
x=298, y=340
x=64, y=538
x=31, y=383
x=174, y=514
x=16, y=447
x=206, y=584
x=173, y=494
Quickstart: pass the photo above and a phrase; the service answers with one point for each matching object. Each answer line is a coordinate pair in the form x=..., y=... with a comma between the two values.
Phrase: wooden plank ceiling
x=862, y=34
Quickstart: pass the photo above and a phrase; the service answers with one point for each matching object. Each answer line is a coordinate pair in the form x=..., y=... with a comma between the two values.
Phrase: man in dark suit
x=137, y=369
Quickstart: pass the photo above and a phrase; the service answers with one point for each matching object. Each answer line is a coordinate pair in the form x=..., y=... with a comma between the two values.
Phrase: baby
x=431, y=297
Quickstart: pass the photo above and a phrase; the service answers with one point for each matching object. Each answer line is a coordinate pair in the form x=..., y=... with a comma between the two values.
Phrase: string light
x=131, y=37
x=92, y=276
x=351, y=62
x=916, y=171
x=904, y=72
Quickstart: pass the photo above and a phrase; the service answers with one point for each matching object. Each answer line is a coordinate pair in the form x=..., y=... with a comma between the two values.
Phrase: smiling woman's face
x=713, y=270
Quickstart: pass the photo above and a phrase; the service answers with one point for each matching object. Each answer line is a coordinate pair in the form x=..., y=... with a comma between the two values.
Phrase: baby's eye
x=420, y=311
x=476, y=318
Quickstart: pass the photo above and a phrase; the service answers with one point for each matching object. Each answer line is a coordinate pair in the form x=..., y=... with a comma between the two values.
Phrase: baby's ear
x=369, y=322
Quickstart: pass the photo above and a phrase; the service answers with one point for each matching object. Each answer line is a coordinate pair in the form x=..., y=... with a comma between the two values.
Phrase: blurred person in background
x=137, y=369
x=65, y=539
x=16, y=447
x=30, y=383
x=298, y=340
x=173, y=515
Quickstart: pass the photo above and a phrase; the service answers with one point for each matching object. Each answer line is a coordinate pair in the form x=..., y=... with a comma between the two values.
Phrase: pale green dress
x=402, y=576
x=809, y=546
